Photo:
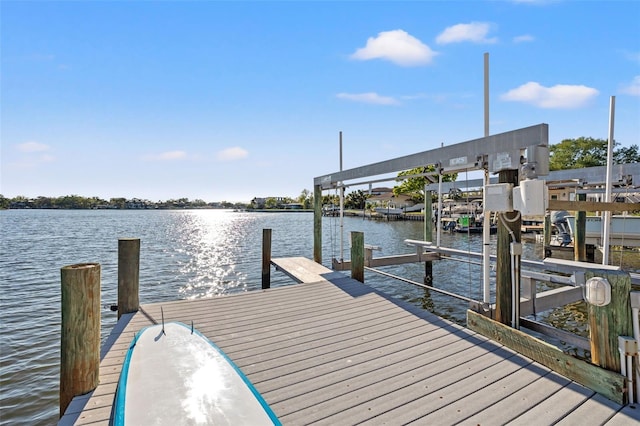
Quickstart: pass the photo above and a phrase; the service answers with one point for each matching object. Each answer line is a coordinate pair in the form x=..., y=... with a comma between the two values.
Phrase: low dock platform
x=331, y=350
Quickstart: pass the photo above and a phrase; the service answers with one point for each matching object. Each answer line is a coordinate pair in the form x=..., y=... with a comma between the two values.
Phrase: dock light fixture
x=597, y=291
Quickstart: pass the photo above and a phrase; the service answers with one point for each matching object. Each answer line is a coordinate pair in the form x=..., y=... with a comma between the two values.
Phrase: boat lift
x=525, y=151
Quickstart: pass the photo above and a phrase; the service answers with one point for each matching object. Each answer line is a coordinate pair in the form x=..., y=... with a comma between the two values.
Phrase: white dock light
x=597, y=291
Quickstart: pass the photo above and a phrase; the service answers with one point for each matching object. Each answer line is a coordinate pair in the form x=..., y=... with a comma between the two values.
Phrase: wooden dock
x=331, y=350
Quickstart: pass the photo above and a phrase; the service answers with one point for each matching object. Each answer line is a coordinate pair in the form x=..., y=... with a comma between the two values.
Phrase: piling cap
x=81, y=266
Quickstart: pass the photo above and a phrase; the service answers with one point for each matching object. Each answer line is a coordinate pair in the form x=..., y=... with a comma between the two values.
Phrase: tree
x=414, y=186
x=330, y=199
x=118, y=202
x=356, y=200
x=588, y=152
x=305, y=198
x=272, y=203
x=627, y=155
x=4, y=202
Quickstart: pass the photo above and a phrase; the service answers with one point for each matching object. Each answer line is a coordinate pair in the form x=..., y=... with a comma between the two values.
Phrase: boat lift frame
x=493, y=154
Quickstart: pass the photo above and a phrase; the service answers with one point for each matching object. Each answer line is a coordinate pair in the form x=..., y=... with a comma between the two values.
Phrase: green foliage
x=271, y=203
x=588, y=152
x=78, y=202
x=414, y=186
x=4, y=202
x=356, y=200
x=577, y=153
x=305, y=198
x=626, y=155
x=330, y=199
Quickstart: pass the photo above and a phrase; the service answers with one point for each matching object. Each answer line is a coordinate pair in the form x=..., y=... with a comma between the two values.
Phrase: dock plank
x=521, y=401
x=304, y=270
x=332, y=350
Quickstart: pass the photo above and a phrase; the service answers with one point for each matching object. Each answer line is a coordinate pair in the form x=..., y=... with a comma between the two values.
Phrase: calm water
x=184, y=254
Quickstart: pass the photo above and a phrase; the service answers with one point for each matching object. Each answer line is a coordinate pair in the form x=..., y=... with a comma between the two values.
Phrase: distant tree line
x=74, y=202
x=588, y=152
x=304, y=201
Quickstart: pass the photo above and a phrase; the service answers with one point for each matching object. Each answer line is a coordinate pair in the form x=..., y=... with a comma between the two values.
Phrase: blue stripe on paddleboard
x=117, y=414
x=244, y=378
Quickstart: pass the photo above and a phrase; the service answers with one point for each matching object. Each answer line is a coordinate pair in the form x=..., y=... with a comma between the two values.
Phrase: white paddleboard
x=179, y=377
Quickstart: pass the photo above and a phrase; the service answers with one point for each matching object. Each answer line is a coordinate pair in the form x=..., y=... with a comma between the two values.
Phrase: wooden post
x=128, y=275
x=357, y=256
x=579, y=237
x=428, y=235
x=266, y=258
x=503, y=253
x=606, y=323
x=80, y=337
x=317, y=224
x=547, y=231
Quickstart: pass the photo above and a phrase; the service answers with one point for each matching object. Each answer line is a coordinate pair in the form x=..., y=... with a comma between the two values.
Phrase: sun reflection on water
x=212, y=242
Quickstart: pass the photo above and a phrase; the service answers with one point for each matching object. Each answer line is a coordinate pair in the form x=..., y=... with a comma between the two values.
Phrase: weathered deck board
x=304, y=270
x=334, y=351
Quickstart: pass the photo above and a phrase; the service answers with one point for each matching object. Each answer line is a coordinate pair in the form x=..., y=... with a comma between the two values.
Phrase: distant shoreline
x=279, y=210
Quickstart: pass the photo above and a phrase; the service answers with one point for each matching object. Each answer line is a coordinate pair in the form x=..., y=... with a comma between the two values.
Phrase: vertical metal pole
x=486, y=222
x=606, y=217
x=341, y=208
x=486, y=94
x=439, y=218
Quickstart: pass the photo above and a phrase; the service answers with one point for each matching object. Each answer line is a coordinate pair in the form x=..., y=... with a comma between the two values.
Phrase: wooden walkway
x=336, y=352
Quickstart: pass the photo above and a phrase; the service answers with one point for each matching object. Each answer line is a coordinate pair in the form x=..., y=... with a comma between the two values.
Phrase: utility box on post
x=530, y=198
x=499, y=197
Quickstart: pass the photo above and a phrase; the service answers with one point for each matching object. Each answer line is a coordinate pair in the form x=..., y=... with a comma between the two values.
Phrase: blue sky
x=226, y=101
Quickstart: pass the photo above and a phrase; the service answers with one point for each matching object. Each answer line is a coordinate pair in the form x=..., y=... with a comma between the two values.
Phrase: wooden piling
x=80, y=336
x=428, y=235
x=579, y=237
x=504, y=307
x=547, y=231
x=608, y=322
x=266, y=258
x=128, y=275
x=357, y=256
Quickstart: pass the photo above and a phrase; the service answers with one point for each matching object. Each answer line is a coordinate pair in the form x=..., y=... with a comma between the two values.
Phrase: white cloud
x=523, y=38
x=559, y=96
x=632, y=88
x=32, y=147
x=475, y=32
x=232, y=154
x=368, y=98
x=396, y=46
x=167, y=156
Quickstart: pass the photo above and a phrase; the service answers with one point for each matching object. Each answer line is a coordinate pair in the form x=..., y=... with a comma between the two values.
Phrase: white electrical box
x=531, y=197
x=498, y=197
